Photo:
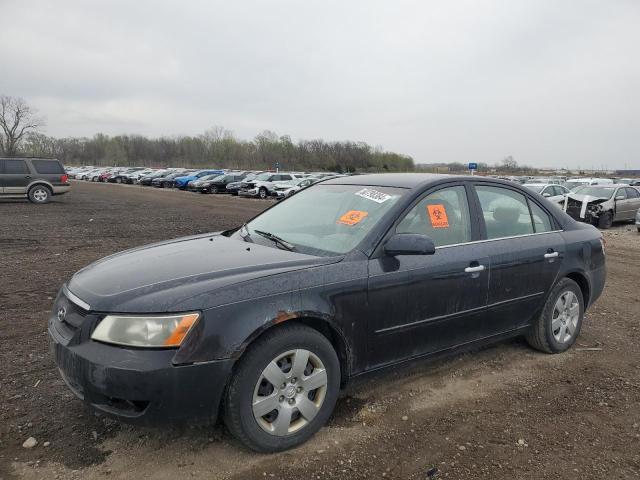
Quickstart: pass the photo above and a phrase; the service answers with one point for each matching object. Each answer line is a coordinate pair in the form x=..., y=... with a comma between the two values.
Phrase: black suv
x=38, y=178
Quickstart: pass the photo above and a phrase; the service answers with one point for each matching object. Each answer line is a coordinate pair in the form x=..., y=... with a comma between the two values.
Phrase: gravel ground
x=502, y=412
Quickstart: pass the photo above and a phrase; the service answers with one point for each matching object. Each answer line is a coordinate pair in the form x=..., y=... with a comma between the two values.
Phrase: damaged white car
x=603, y=205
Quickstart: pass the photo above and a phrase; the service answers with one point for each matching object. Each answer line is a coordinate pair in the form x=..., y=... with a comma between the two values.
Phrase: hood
x=181, y=274
x=588, y=198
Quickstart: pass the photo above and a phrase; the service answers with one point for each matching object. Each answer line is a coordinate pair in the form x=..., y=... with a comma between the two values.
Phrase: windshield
x=325, y=220
x=263, y=176
x=211, y=177
x=534, y=188
x=600, y=192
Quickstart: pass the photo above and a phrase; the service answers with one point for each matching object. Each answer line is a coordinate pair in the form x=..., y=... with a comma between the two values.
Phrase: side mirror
x=621, y=197
x=546, y=194
x=409, y=244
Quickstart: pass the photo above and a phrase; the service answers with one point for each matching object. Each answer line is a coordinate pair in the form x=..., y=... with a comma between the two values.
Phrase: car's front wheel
x=284, y=389
x=606, y=220
x=262, y=193
x=559, y=325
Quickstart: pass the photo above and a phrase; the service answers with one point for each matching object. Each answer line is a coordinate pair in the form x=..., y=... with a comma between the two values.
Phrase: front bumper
x=248, y=193
x=133, y=384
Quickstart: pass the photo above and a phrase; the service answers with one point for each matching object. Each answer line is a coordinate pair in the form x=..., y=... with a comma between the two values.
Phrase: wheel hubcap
x=566, y=313
x=40, y=195
x=289, y=392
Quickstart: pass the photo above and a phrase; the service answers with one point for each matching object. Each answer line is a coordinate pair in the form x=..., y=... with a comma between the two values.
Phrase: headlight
x=145, y=331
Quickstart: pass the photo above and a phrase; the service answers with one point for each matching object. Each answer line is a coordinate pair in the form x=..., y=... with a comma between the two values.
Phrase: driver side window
x=443, y=216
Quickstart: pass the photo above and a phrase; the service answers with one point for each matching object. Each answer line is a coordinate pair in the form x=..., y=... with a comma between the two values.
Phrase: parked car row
x=258, y=184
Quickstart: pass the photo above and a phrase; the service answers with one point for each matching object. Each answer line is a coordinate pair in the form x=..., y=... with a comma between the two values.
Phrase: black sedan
x=168, y=180
x=265, y=323
x=219, y=184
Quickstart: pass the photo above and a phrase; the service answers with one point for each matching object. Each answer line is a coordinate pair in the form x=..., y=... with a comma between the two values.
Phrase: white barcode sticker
x=373, y=195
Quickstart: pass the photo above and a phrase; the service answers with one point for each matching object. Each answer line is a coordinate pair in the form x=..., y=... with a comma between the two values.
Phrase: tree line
x=20, y=134
x=218, y=147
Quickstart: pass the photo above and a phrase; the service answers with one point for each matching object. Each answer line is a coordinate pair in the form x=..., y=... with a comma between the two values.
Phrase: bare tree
x=509, y=163
x=16, y=120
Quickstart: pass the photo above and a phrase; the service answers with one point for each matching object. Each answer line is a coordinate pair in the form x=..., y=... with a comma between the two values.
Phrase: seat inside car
x=505, y=222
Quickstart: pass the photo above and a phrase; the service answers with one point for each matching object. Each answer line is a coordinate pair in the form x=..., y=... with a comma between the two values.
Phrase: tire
x=248, y=384
x=551, y=333
x=39, y=194
x=606, y=220
x=118, y=180
x=262, y=193
x=213, y=189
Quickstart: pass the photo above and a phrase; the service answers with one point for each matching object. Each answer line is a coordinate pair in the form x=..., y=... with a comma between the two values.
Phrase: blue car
x=182, y=182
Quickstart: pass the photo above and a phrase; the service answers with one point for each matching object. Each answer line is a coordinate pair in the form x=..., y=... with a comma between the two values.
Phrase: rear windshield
x=47, y=166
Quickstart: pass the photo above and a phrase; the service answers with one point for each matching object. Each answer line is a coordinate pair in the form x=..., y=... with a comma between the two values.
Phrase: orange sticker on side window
x=438, y=216
x=352, y=217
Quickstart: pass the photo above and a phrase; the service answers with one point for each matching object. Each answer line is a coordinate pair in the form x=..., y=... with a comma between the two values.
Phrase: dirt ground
x=503, y=412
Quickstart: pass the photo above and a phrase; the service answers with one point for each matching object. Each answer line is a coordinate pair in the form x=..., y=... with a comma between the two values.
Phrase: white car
x=282, y=190
x=573, y=183
x=553, y=192
x=262, y=185
x=638, y=220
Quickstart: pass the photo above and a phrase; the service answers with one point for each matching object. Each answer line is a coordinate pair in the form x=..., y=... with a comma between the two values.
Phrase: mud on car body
x=264, y=323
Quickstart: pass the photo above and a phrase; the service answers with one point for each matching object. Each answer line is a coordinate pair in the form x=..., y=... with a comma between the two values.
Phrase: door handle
x=479, y=268
x=551, y=255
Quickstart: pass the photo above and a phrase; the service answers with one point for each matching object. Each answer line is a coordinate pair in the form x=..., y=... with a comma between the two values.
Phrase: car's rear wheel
x=559, y=325
x=606, y=220
x=283, y=390
x=39, y=194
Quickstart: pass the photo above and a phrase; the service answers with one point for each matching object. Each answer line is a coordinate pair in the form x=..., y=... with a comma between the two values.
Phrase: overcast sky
x=552, y=83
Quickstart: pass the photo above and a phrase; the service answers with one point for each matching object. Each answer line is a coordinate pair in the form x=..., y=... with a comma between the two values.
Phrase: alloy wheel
x=40, y=194
x=290, y=392
x=564, y=320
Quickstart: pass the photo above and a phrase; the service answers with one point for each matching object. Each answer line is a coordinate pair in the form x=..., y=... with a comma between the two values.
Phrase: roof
x=400, y=180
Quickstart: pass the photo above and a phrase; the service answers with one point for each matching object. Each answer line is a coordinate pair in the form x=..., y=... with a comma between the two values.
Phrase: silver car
x=638, y=220
x=601, y=205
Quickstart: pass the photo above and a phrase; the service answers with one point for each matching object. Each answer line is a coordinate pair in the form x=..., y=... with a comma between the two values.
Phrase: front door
x=423, y=304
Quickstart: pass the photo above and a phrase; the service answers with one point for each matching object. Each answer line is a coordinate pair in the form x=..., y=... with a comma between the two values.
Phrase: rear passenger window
x=15, y=167
x=47, y=167
x=505, y=212
x=632, y=193
x=541, y=220
x=443, y=216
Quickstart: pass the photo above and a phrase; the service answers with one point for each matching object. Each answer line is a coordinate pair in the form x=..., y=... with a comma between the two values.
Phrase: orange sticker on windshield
x=438, y=216
x=352, y=217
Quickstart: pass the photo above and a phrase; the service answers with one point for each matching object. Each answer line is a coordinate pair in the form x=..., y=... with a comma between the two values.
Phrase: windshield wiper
x=276, y=239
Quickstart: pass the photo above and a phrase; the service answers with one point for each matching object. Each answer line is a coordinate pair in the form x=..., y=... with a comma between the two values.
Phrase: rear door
x=15, y=176
x=633, y=200
x=525, y=248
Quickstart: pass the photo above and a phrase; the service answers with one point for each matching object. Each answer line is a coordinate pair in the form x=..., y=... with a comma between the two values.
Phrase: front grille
x=73, y=319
